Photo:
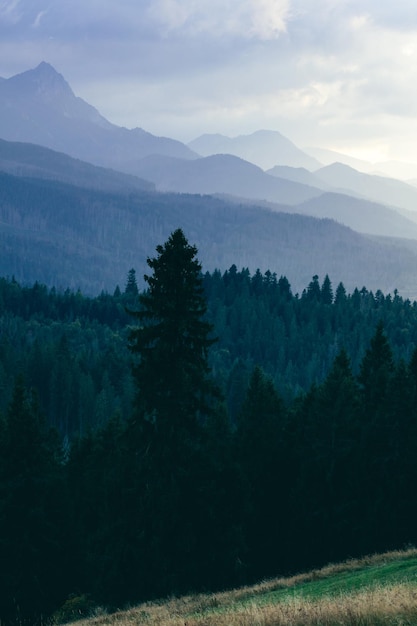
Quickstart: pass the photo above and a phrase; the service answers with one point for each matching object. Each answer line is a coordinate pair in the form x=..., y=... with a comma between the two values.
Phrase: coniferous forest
x=209, y=431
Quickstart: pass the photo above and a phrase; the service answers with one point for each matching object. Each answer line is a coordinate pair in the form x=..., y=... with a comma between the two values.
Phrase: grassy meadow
x=373, y=591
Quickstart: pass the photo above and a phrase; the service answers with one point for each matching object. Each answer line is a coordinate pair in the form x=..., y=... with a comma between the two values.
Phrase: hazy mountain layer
x=265, y=148
x=299, y=175
x=30, y=160
x=361, y=215
x=38, y=106
x=351, y=207
x=388, y=191
x=67, y=236
x=64, y=235
x=222, y=174
x=402, y=170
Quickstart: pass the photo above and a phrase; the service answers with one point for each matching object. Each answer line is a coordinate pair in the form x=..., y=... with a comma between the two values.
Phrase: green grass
x=402, y=571
x=375, y=591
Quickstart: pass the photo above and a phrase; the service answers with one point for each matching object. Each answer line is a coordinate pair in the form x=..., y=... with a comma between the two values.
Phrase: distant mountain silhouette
x=65, y=236
x=67, y=222
x=299, y=175
x=388, y=191
x=38, y=106
x=327, y=157
x=265, y=148
x=231, y=176
x=361, y=215
x=401, y=170
x=222, y=174
x=33, y=161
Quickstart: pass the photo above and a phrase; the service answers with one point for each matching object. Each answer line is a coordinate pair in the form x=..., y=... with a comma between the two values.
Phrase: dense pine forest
x=211, y=430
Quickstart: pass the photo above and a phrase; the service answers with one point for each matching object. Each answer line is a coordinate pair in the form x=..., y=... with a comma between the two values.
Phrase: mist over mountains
x=83, y=200
x=264, y=148
x=38, y=106
x=33, y=161
x=63, y=235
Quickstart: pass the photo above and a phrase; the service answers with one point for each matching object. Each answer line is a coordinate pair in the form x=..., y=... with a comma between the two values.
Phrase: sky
x=337, y=74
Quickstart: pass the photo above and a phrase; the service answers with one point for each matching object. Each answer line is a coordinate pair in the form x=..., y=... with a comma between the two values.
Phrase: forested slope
x=311, y=457
x=67, y=236
x=73, y=348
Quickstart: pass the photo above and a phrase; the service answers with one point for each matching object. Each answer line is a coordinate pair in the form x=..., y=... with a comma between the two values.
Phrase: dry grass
x=393, y=605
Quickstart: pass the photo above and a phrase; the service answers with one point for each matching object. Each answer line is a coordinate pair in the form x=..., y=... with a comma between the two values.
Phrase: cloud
x=269, y=18
x=38, y=19
x=8, y=11
x=324, y=71
x=400, y=16
x=263, y=19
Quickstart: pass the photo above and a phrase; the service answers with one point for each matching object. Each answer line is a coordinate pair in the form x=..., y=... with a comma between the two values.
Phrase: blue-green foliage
x=311, y=457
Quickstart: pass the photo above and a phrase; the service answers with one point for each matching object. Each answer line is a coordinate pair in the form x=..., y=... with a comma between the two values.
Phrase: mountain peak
x=265, y=148
x=338, y=166
x=38, y=106
x=43, y=79
x=45, y=67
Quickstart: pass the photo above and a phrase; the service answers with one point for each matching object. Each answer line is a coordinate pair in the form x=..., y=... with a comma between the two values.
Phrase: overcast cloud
x=340, y=74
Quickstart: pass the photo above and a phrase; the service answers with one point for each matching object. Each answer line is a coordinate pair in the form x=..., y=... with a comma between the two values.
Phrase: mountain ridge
x=241, y=232
x=38, y=106
x=34, y=161
x=264, y=148
x=388, y=191
x=221, y=174
x=64, y=236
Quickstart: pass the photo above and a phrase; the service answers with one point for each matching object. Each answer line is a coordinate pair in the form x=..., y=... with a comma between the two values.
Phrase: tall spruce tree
x=175, y=395
x=172, y=341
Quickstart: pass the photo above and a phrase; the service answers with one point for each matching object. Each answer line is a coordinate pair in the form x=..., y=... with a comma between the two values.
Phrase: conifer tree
x=131, y=284
x=175, y=395
x=376, y=370
x=32, y=528
x=172, y=342
x=262, y=457
x=376, y=376
x=325, y=453
x=313, y=292
x=341, y=296
x=326, y=291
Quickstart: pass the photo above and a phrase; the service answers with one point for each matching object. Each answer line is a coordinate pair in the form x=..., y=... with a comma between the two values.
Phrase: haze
x=336, y=74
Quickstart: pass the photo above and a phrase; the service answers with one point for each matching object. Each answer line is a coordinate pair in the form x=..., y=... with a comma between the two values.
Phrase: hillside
x=221, y=173
x=362, y=215
x=374, y=590
x=65, y=236
x=388, y=191
x=33, y=161
x=263, y=486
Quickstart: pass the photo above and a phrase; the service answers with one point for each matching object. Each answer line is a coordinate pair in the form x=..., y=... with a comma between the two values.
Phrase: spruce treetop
x=173, y=339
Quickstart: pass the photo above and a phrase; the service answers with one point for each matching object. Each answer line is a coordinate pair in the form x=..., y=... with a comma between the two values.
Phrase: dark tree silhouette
x=175, y=397
x=172, y=341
